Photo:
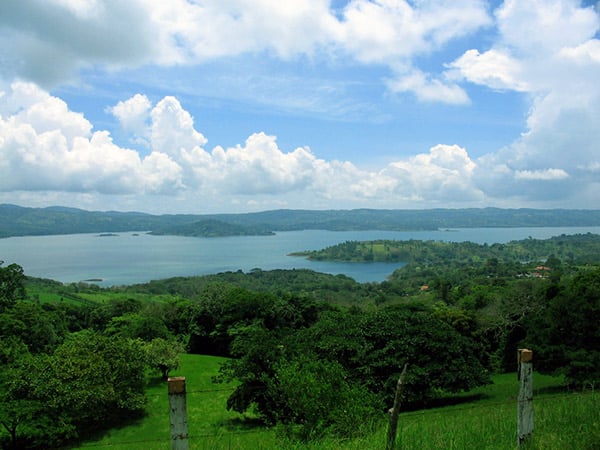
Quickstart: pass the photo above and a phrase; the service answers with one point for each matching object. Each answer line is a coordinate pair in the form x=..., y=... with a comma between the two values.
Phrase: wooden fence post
x=393, y=428
x=525, y=406
x=178, y=416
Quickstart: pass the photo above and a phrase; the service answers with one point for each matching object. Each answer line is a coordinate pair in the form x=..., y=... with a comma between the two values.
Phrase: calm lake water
x=129, y=258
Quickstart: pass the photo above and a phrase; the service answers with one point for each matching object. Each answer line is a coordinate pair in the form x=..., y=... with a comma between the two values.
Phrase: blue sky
x=247, y=105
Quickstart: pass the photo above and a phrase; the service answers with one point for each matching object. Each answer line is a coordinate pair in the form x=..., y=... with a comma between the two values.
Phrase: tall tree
x=566, y=335
x=11, y=285
x=89, y=381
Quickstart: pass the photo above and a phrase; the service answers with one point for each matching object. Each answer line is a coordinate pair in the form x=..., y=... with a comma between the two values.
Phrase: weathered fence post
x=393, y=428
x=525, y=410
x=178, y=416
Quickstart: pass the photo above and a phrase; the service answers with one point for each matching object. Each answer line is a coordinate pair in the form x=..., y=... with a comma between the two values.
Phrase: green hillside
x=482, y=418
x=300, y=359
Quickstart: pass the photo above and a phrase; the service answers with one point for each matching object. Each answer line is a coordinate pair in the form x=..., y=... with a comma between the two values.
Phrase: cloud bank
x=50, y=39
x=548, y=49
x=545, y=50
x=46, y=147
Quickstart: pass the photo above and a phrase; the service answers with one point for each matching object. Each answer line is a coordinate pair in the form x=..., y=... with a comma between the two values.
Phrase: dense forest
x=316, y=354
x=21, y=221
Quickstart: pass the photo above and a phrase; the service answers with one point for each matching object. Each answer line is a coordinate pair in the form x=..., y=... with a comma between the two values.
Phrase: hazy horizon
x=295, y=209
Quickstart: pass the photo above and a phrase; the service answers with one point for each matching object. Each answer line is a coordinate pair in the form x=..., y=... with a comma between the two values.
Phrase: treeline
x=314, y=353
x=415, y=219
x=334, y=289
x=21, y=221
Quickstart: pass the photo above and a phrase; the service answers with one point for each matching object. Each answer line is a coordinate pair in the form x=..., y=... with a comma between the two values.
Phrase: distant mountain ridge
x=25, y=221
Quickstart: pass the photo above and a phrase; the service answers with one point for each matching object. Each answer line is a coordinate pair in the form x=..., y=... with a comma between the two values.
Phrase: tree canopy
x=11, y=285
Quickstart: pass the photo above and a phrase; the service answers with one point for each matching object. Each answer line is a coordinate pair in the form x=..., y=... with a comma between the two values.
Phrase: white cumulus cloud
x=442, y=175
x=172, y=128
x=548, y=50
x=62, y=154
x=49, y=41
x=391, y=30
x=545, y=174
x=427, y=89
x=133, y=114
x=260, y=167
x=493, y=68
x=44, y=146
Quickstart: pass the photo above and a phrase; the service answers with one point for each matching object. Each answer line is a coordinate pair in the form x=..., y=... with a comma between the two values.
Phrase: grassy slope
x=48, y=291
x=210, y=425
x=484, y=419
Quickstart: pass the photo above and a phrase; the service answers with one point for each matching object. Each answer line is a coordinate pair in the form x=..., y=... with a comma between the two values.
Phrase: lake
x=128, y=258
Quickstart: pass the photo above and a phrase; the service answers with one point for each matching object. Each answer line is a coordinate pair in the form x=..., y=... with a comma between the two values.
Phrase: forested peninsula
x=22, y=221
x=583, y=247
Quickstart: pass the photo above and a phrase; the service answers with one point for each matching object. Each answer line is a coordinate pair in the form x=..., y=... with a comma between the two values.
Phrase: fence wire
x=421, y=413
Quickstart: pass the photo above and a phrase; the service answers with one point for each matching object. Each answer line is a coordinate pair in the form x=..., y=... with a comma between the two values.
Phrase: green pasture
x=210, y=425
x=484, y=418
x=38, y=290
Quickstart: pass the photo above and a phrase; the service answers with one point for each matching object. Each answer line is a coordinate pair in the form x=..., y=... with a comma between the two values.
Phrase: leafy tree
x=224, y=308
x=28, y=421
x=502, y=324
x=12, y=349
x=565, y=335
x=137, y=326
x=292, y=376
x=13, y=413
x=317, y=397
x=256, y=353
x=163, y=355
x=75, y=317
x=101, y=315
x=374, y=346
x=41, y=330
x=12, y=287
x=177, y=314
x=27, y=425
x=460, y=319
x=89, y=381
x=221, y=307
x=286, y=385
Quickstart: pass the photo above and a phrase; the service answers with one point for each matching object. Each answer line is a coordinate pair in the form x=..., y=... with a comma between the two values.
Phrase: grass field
x=210, y=425
x=484, y=418
x=54, y=293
